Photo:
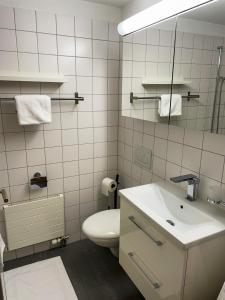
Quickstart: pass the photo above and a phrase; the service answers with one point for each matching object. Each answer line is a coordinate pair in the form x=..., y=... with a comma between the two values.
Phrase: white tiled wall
x=79, y=147
x=176, y=151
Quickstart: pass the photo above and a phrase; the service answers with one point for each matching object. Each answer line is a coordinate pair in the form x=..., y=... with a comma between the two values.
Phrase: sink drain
x=170, y=222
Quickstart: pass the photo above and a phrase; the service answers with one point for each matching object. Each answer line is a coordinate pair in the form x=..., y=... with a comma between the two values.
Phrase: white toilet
x=103, y=228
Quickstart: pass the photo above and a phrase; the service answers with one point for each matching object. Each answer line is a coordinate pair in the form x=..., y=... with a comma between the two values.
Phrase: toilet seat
x=103, y=225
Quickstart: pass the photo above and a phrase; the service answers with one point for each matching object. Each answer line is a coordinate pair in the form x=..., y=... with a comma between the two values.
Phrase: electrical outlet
x=142, y=157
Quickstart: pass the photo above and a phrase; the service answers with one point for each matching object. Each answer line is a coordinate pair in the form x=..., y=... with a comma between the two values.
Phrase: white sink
x=188, y=222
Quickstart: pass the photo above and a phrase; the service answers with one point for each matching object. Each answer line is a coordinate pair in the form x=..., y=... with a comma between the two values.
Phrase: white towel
x=164, y=105
x=33, y=109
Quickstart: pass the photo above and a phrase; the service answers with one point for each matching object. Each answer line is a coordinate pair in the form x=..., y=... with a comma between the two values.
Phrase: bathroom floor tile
x=94, y=273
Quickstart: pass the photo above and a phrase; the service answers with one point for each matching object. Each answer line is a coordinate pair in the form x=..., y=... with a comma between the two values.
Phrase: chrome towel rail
x=133, y=98
x=76, y=98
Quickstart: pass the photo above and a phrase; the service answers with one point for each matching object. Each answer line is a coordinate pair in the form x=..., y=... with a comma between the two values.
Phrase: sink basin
x=188, y=222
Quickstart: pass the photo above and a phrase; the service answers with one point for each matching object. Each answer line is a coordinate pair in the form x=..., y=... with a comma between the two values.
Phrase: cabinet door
x=154, y=263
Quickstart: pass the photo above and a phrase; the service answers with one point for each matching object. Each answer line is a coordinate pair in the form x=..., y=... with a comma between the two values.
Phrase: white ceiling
x=119, y=3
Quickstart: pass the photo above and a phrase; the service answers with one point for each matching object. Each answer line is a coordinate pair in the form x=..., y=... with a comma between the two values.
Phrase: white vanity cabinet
x=163, y=269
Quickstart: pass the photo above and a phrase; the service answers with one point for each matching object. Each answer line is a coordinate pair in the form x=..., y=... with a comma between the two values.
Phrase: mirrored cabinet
x=199, y=58
x=182, y=58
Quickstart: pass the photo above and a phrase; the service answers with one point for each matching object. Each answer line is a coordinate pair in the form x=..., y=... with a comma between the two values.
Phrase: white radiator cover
x=34, y=222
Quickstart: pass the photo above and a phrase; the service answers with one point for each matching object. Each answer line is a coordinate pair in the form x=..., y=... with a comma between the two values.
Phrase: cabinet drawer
x=141, y=276
x=144, y=245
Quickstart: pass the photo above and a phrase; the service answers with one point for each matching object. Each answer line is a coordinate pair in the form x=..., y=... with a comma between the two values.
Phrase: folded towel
x=164, y=105
x=33, y=109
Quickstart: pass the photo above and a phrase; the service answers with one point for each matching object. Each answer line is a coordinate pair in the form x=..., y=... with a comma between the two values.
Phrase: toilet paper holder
x=40, y=181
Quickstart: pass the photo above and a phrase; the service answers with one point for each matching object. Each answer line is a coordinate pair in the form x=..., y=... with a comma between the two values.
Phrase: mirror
x=146, y=71
x=199, y=60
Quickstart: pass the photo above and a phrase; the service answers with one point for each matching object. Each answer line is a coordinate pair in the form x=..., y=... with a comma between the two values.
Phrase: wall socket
x=142, y=157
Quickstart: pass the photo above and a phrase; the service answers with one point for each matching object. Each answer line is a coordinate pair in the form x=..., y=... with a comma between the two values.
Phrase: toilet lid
x=104, y=224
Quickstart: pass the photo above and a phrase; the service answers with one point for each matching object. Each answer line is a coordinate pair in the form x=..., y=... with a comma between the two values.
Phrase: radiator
x=34, y=222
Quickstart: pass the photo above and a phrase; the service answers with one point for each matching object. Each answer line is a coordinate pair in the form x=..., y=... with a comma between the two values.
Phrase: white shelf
x=165, y=81
x=32, y=77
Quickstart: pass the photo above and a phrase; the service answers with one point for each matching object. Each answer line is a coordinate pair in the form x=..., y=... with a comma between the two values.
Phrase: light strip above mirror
x=164, y=10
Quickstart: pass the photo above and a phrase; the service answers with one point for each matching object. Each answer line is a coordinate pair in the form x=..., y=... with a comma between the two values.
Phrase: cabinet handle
x=157, y=242
x=153, y=283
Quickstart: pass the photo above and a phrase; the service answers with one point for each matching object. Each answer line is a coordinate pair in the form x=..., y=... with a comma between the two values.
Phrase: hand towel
x=164, y=105
x=33, y=109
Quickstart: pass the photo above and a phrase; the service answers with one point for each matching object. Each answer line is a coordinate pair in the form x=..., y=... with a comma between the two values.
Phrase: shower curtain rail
x=188, y=97
x=76, y=98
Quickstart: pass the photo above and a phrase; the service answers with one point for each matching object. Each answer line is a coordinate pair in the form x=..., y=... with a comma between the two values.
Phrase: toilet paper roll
x=109, y=185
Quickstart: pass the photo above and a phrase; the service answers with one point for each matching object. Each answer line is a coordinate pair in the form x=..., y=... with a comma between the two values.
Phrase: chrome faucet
x=192, y=188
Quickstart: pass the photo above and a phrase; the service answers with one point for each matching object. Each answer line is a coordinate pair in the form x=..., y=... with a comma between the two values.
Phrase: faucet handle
x=191, y=178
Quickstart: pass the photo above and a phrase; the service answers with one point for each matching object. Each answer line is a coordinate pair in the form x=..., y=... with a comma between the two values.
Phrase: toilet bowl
x=103, y=228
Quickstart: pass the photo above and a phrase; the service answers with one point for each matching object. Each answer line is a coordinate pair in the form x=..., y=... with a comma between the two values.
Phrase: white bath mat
x=44, y=280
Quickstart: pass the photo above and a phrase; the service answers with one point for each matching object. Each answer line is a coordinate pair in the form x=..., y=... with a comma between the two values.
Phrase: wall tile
x=86, y=151
x=83, y=47
x=174, y=153
x=100, y=30
x=27, y=41
x=67, y=65
x=71, y=183
x=16, y=159
x=18, y=176
x=54, y=171
x=69, y=120
x=3, y=162
x=25, y=19
x=113, y=50
x=4, y=181
x=52, y=138
x=28, y=62
x=19, y=193
x=214, y=143
x=48, y=63
x=14, y=141
x=193, y=138
x=85, y=135
x=100, y=49
x=69, y=137
x=8, y=61
x=191, y=158
x=34, y=140
x=70, y=153
x=86, y=166
x=212, y=165
x=70, y=168
x=85, y=120
x=53, y=155
x=113, y=33
x=7, y=17
x=84, y=66
x=46, y=22
x=160, y=148
x=65, y=25
x=47, y=43
x=8, y=40
x=83, y=27
x=66, y=45
x=35, y=157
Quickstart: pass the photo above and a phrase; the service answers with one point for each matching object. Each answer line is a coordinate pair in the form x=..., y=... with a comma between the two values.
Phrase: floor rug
x=44, y=280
